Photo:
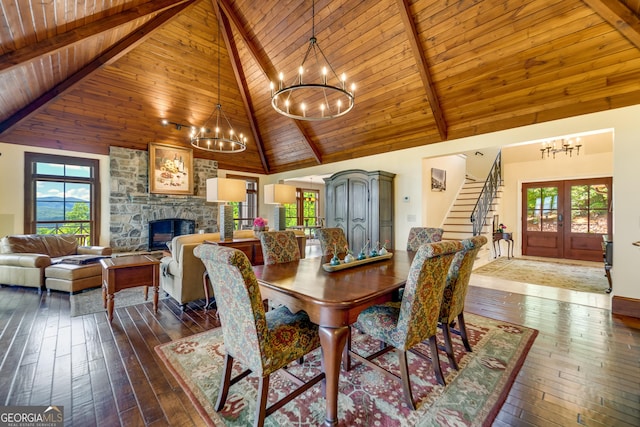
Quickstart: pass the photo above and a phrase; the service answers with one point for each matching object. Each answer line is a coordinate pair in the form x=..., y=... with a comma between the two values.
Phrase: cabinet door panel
x=338, y=209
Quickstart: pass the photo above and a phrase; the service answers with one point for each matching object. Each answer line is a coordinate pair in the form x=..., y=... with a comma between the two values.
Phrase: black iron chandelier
x=313, y=95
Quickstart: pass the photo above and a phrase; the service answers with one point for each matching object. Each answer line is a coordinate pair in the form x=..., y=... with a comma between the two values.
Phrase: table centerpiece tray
x=343, y=265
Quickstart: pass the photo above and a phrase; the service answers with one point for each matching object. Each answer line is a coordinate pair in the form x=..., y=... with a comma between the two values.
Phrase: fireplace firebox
x=162, y=231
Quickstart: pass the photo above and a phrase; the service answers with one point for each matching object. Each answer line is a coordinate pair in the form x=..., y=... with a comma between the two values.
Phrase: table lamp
x=279, y=194
x=226, y=190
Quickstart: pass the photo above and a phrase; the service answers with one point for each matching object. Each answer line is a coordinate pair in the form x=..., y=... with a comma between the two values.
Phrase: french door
x=566, y=219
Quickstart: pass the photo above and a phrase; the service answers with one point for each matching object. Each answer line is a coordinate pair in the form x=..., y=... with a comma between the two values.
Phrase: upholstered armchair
x=418, y=236
x=456, y=291
x=279, y=246
x=330, y=238
x=263, y=342
x=402, y=325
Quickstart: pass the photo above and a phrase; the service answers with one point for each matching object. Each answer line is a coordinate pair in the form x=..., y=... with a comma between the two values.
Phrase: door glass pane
x=550, y=220
x=598, y=221
x=589, y=208
x=534, y=204
x=542, y=209
x=533, y=220
x=579, y=220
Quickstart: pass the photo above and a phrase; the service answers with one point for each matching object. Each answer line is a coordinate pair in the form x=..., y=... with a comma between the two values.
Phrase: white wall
x=436, y=204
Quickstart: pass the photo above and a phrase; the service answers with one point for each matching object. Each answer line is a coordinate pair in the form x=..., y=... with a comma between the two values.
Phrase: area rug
x=90, y=301
x=473, y=396
x=564, y=275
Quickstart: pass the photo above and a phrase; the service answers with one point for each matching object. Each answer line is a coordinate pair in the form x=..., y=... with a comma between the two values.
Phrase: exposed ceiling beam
x=268, y=70
x=60, y=41
x=423, y=69
x=619, y=16
x=109, y=56
x=241, y=81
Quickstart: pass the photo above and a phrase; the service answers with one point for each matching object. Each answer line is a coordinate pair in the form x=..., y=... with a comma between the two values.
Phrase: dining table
x=333, y=300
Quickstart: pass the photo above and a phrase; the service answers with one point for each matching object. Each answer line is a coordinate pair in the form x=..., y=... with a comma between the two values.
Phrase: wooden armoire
x=361, y=203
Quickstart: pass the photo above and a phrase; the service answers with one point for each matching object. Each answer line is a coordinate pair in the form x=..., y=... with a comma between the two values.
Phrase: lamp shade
x=226, y=190
x=275, y=194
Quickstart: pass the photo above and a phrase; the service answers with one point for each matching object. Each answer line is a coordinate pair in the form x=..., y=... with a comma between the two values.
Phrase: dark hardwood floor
x=583, y=369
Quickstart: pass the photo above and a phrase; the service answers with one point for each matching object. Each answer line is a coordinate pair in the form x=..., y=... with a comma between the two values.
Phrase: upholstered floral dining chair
x=279, y=246
x=455, y=293
x=404, y=324
x=263, y=342
x=418, y=236
x=331, y=239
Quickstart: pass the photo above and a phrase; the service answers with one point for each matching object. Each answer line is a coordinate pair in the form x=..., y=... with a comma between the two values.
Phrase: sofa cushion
x=72, y=271
x=53, y=245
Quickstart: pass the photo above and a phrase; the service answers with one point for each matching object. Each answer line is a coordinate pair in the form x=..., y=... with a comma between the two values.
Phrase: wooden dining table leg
x=332, y=341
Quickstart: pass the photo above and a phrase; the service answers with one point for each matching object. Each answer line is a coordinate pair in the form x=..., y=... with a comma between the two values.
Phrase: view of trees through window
x=589, y=206
x=61, y=192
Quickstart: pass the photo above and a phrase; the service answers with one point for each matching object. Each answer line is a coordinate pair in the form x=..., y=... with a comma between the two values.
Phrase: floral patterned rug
x=566, y=275
x=473, y=396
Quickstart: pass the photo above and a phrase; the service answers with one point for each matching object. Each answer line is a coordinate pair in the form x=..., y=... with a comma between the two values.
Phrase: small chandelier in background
x=311, y=198
x=567, y=146
x=320, y=95
x=217, y=139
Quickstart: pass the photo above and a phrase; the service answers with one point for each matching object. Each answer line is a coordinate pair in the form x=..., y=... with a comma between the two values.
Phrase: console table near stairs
x=507, y=237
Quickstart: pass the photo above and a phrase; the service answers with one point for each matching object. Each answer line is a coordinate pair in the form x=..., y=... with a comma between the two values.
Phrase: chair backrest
x=331, y=238
x=279, y=246
x=458, y=278
x=418, y=236
x=423, y=291
x=242, y=315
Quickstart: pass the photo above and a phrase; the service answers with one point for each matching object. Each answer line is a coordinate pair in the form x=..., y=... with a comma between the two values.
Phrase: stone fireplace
x=132, y=207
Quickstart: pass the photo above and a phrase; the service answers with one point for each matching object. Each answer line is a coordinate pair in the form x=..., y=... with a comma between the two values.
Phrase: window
x=589, y=208
x=245, y=212
x=308, y=203
x=62, y=196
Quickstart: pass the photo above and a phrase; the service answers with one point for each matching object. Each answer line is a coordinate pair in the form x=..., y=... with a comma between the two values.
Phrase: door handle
x=560, y=217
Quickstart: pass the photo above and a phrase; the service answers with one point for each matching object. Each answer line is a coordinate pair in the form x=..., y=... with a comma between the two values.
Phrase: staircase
x=458, y=224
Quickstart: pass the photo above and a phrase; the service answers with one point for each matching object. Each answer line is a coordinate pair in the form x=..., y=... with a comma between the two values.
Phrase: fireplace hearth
x=162, y=231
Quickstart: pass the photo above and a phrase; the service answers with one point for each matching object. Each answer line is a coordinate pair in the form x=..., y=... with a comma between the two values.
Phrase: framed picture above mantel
x=170, y=169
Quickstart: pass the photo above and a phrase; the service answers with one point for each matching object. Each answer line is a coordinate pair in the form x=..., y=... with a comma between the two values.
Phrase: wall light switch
x=411, y=218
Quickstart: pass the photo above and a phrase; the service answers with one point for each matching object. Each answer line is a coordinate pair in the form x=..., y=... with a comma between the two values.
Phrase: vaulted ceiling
x=85, y=75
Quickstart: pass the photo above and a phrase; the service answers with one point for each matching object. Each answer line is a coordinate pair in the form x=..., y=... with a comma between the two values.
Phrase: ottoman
x=73, y=278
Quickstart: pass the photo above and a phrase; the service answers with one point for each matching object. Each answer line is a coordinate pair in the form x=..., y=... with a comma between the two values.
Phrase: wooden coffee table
x=129, y=272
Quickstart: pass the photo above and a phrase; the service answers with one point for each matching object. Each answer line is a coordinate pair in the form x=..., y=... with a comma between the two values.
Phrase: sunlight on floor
x=599, y=300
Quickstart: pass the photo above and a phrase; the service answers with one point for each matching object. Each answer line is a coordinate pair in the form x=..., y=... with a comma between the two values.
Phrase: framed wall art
x=438, y=179
x=170, y=169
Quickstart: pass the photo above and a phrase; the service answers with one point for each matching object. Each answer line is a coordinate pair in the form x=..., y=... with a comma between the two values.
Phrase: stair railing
x=489, y=192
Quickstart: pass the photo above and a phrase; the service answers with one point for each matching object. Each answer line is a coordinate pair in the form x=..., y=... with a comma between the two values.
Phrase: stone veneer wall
x=132, y=206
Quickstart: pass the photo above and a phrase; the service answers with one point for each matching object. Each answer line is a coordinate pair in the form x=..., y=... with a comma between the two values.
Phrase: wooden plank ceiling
x=86, y=75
